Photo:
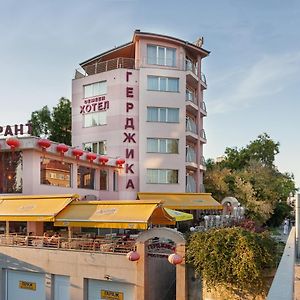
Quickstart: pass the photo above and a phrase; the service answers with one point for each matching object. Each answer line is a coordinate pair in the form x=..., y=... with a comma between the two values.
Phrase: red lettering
x=106, y=104
x=129, y=137
x=127, y=75
x=129, y=153
x=129, y=184
x=129, y=92
x=129, y=106
x=94, y=106
x=29, y=128
x=88, y=108
x=82, y=109
x=128, y=168
x=129, y=123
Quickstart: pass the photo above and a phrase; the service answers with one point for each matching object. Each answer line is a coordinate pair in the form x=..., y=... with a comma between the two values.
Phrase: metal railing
x=112, y=64
x=203, y=106
x=102, y=245
x=191, y=126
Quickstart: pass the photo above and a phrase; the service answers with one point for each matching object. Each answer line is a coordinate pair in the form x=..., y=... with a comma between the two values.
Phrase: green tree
x=232, y=258
x=55, y=125
x=250, y=175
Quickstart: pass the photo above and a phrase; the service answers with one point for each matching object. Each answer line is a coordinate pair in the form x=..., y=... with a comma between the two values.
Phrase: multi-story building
x=143, y=101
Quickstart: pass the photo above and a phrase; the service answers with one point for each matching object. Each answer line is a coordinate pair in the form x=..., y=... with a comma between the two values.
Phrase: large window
x=85, y=178
x=95, y=119
x=11, y=172
x=55, y=172
x=162, y=176
x=163, y=114
x=157, y=55
x=96, y=147
x=158, y=145
x=103, y=180
x=95, y=89
x=163, y=84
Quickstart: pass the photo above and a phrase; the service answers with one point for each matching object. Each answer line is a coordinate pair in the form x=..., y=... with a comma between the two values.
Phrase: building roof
x=137, y=34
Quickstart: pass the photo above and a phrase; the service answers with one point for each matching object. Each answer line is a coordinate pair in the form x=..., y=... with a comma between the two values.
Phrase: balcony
x=190, y=158
x=203, y=136
x=191, y=102
x=190, y=184
x=203, y=110
x=191, y=73
x=203, y=82
x=100, y=67
x=191, y=130
x=202, y=165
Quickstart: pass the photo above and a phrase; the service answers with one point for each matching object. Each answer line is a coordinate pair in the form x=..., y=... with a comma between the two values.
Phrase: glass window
x=95, y=119
x=85, y=178
x=161, y=145
x=55, y=172
x=96, y=147
x=157, y=55
x=163, y=84
x=103, y=180
x=11, y=169
x=115, y=181
x=95, y=89
x=163, y=114
x=163, y=176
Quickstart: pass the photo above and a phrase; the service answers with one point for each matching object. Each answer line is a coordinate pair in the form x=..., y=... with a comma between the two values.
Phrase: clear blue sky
x=253, y=70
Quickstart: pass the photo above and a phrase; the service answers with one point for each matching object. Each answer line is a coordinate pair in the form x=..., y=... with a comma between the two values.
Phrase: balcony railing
x=191, y=126
x=103, y=245
x=112, y=64
x=190, y=184
x=203, y=134
x=190, y=66
x=190, y=155
x=203, y=106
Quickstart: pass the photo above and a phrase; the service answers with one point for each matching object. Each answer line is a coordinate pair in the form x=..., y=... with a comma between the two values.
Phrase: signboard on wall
x=27, y=285
x=111, y=295
x=15, y=130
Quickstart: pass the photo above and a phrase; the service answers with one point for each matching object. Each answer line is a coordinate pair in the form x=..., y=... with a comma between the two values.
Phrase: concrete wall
x=77, y=265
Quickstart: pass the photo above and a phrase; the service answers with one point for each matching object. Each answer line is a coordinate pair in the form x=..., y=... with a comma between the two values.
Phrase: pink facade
x=146, y=102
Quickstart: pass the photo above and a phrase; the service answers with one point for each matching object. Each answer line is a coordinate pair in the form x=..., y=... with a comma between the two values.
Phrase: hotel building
x=140, y=108
x=144, y=101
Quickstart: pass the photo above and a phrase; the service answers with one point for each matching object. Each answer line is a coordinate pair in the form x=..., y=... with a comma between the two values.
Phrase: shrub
x=232, y=258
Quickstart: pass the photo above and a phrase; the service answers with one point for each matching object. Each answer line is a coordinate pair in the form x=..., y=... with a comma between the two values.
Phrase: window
x=55, y=172
x=115, y=181
x=103, y=180
x=95, y=89
x=11, y=166
x=163, y=84
x=191, y=125
x=157, y=55
x=158, y=145
x=85, y=178
x=95, y=119
x=96, y=147
x=163, y=114
x=190, y=184
x=162, y=176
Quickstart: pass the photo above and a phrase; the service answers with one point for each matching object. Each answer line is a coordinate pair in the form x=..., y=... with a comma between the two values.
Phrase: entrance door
x=25, y=285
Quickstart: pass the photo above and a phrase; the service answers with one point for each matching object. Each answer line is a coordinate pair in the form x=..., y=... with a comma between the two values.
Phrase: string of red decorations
x=91, y=156
x=62, y=149
x=77, y=153
x=175, y=259
x=103, y=160
x=44, y=144
x=120, y=162
x=13, y=143
x=133, y=256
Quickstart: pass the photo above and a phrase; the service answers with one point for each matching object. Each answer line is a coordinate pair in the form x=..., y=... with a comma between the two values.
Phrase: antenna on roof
x=199, y=42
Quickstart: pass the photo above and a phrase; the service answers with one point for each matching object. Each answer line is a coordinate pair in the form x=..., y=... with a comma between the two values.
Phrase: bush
x=232, y=258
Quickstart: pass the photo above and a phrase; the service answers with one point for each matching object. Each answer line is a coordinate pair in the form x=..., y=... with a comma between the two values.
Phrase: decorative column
x=181, y=280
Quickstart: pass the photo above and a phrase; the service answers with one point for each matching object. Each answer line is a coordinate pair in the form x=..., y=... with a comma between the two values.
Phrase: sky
x=252, y=72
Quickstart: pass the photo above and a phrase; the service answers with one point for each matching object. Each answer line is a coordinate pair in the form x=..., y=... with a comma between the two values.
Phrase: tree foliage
x=233, y=258
x=250, y=175
x=55, y=125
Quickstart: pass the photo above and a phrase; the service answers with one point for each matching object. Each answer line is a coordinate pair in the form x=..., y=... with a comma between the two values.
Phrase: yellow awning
x=179, y=215
x=33, y=208
x=114, y=214
x=185, y=201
